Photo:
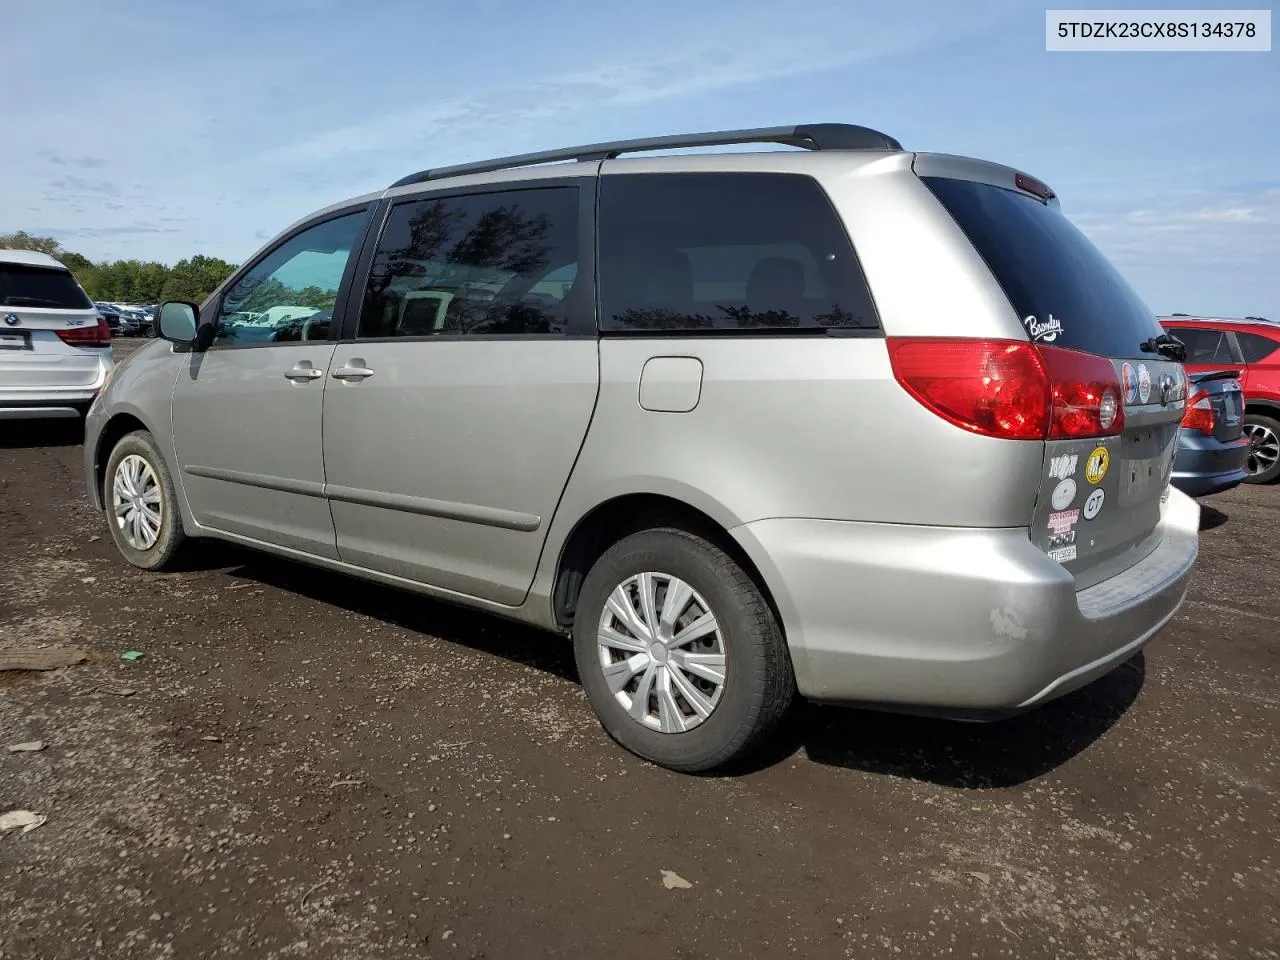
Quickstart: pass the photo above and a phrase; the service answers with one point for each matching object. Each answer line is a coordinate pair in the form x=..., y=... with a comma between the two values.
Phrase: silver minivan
x=848, y=421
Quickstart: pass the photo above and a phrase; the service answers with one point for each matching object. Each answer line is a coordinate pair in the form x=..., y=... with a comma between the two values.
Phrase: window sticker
x=1043, y=331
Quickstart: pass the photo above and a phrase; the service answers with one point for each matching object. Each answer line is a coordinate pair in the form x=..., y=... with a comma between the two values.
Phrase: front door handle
x=303, y=371
x=354, y=370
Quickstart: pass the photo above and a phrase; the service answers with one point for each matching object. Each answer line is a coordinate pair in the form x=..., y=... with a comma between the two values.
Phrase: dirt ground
x=315, y=767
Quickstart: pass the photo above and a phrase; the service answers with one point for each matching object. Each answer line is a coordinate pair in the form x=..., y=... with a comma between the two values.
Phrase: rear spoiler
x=1210, y=375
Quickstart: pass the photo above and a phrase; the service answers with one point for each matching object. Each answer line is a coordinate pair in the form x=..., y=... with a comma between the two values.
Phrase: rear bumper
x=25, y=396
x=1204, y=466
x=959, y=620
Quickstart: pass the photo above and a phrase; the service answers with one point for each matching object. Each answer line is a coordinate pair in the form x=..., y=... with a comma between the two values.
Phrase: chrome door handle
x=352, y=372
x=303, y=371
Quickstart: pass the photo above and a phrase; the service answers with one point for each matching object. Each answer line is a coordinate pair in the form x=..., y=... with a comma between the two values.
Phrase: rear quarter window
x=50, y=287
x=1255, y=348
x=1062, y=287
x=726, y=252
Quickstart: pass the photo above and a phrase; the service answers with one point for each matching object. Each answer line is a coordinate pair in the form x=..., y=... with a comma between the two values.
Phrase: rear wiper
x=30, y=302
x=1167, y=345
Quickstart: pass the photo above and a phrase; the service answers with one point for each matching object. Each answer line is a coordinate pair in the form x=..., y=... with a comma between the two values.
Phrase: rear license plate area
x=14, y=341
x=1146, y=470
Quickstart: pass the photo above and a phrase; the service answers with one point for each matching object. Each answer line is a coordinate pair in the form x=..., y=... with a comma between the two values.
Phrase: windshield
x=26, y=286
x=1064, y=290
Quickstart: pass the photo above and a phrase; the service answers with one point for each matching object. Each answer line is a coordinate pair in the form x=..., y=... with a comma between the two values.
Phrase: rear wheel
x=1264, y=448
x=141, y=506
x=679, y=654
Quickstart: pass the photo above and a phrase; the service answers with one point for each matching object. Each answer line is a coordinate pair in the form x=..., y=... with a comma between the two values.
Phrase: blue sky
x=153, y=129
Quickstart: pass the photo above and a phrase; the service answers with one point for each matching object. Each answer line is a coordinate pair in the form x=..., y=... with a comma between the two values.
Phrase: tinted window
x=715, y=251
x=1204, y=345
x=1063, y=288
x=25, y=286
x=481, y=264
x=290, y=294
x=1256, y=347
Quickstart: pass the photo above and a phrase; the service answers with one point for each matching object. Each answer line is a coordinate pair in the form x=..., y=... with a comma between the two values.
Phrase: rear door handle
x=355, y=370
x=303, y=371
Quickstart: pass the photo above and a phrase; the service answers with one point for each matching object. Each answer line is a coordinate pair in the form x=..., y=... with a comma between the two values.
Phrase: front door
x=247, y=411
x=455, y=410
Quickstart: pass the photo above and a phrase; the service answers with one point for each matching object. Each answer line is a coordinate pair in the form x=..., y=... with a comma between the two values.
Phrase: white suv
x=55, y=348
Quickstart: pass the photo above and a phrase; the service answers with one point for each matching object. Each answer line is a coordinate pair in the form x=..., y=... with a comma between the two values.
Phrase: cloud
x=72, y=183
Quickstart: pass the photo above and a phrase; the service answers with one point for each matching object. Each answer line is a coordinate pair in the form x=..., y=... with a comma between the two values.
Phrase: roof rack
x=811, y=136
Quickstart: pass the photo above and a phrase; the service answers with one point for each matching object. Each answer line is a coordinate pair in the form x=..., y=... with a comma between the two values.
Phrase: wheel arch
x=113, y=431
x=624, y=514
x=1266, y=407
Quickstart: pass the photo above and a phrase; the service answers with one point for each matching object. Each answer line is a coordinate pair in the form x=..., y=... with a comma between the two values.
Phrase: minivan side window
x=501, y=263
x=746, y=252
x=1256, y=347
x=290, y=294
x=1204, y=345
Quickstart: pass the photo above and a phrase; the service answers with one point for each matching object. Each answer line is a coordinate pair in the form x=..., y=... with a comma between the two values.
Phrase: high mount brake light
x=1010, y=389
x=1032, y=186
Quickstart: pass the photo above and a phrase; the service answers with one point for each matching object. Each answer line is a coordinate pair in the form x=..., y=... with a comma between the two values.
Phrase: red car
x=1252, y=346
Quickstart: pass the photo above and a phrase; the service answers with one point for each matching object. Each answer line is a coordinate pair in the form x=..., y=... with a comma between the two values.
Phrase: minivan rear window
x=26, y=286
x=1062, y=287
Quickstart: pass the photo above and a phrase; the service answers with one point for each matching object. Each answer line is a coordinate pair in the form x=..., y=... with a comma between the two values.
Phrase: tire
x=757, y=686
x=1264, y=436
x=169, y=538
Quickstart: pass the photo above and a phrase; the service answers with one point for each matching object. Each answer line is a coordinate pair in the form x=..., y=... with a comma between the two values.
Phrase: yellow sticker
x=1095, y=467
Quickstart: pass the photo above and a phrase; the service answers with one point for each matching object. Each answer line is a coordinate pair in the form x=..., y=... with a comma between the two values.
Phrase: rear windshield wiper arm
x=1168, y=346
x=30, y=302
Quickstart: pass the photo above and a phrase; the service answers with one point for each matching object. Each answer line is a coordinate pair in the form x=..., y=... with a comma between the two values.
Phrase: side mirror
x=177, y=320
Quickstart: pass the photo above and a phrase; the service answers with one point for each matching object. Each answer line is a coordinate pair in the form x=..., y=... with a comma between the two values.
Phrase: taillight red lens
x=1199, y=414
x=1010, y=388
x=98, y=335
x=1086, y=394
x=994, y=387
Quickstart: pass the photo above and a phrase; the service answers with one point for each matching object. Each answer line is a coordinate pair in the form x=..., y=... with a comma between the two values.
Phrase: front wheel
x=1264, y=448
x=679, y=653
x=141, y=505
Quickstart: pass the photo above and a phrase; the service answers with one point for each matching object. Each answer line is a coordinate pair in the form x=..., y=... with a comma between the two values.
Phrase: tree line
x=131, y=281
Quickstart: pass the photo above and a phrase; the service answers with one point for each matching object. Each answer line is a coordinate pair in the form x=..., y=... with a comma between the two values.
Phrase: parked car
x=1213, y=452
x=112, y=318
x=1252, y=346
x=668, y=410
x=118, y=320
x=55, y=347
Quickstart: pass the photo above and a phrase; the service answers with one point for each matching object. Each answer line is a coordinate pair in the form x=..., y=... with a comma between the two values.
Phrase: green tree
x=195, y=278
x=25, y=241
x=131, y=281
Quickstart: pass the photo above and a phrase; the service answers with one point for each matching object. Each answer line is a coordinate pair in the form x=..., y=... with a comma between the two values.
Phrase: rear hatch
x=50, y=332
x=1098, y=507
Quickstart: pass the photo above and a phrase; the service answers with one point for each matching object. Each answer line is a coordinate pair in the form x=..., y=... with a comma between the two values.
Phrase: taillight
x=1010, y=388
x=1199, y=414
x=1086, y=394
x=98, y=335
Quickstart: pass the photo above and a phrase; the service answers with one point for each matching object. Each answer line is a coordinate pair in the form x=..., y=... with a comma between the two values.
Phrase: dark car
x=1251, y=346
x=1213, y=452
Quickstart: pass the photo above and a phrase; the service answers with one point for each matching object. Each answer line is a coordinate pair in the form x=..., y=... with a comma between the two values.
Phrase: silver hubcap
x=661, y=652
x=135, y=502
x=1264, y=448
